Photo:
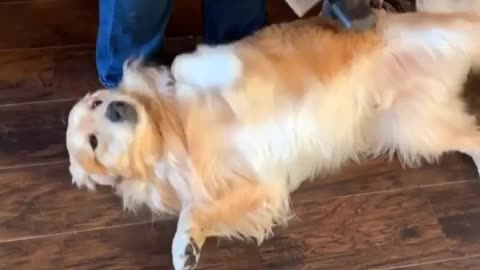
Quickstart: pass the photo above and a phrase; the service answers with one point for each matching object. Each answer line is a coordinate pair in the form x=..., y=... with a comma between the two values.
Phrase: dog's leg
x=418, y=128
x=246, y=211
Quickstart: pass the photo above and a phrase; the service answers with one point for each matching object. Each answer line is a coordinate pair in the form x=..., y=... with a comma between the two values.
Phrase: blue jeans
x=136, y=28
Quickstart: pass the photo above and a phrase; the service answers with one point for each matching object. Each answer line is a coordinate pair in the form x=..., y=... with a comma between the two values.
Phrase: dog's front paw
x=80, y=178
x=185, y=252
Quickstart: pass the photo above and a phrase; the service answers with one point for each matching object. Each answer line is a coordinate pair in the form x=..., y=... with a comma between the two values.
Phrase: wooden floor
x=374, y=215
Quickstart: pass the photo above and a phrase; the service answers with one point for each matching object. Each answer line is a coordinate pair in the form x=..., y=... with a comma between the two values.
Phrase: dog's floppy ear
x=146, y=80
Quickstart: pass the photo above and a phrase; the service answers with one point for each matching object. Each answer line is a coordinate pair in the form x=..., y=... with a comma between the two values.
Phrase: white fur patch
x=136, y=193
x=208, y=68
x=147, y=79
x=294, y=146
x=448, y=5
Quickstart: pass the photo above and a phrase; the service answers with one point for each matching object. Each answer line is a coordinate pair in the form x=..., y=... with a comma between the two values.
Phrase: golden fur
x=307, y=97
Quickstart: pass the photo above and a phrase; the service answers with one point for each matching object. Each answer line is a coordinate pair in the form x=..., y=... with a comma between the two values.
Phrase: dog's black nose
x=119, y=111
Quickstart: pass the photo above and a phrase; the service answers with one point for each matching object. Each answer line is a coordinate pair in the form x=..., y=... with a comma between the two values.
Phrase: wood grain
x=75, y=72
x=14, y=1
x=132, y=247
x=460, y=264
x=370, y=176
x=458, y=211
x=41, y=200
x=60, y=73
x=375, y=231
x=26, y=76
x=33, y=133
x=47, y=23
x=47, y=74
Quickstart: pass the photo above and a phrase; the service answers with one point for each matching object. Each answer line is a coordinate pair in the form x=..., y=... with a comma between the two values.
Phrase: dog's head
x=120, y=132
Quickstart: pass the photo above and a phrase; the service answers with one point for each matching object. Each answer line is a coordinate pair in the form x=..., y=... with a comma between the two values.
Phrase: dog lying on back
x=244, y=124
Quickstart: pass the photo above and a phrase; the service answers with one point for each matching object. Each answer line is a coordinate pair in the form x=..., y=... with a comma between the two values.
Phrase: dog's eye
x=96, y=103
x=92, y=139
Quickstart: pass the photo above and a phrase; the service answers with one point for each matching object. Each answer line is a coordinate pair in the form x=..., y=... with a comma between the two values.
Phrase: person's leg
x=127, y=29
x=229, y=20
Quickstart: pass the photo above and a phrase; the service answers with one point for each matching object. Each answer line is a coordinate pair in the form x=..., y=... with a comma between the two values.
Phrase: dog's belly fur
x=295, y=144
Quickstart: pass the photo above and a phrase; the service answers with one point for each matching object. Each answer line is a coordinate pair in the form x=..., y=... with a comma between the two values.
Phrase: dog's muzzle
x=119, y=111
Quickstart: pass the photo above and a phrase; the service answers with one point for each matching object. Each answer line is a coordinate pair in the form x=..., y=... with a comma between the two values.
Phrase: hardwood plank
x=60, y=73
x=75, y=72
x=459, y=215
x=375, y=231
x=460, y=264
x=33, y=133
x=26, y=76
x=47, y=74
x=41, y=200
x=47, y=23
x=13, y=1
x=134, y=247
x=379, y=175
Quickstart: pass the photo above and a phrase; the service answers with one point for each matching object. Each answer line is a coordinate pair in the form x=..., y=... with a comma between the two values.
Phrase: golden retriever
x=242, y=125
